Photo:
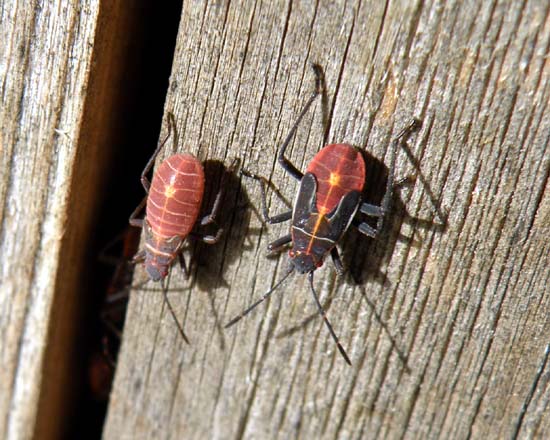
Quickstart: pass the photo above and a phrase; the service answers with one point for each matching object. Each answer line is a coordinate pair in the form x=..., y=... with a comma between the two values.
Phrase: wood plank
x=46, y=57
x=454, y=345
x=61, y=83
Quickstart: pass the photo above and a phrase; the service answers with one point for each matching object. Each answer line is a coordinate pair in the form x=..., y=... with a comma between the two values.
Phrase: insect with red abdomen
x=329, y=200
x=173, y=204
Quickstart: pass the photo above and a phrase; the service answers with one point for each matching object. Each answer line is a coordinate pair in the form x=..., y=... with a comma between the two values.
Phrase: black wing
x=306, y=200
x=341, y=217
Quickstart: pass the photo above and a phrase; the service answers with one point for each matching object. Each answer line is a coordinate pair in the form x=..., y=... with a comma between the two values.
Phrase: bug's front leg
x=139, y=257
x=279, y=243
x=279, y=218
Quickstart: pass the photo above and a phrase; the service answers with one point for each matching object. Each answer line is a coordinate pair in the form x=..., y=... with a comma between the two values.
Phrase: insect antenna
x=123, y=293
x=165, y=293
x=262, y=299
x=323, y=314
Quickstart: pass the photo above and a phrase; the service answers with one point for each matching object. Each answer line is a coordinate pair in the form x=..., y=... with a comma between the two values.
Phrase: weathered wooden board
x=60, y=84
x=45, y=60
x=454, y=343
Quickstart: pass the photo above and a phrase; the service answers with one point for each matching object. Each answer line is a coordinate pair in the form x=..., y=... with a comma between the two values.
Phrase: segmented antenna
x=262, y=299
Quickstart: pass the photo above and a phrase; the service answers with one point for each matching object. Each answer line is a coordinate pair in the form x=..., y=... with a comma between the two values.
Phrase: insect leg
x=139, y=257
x=371, y=210
x=283, y=161
x=144, y=180
x=380, y=211
x=280, y=242
x=137, y=222
x=108, y=324
x=368, y=230
x=413, y=125
x=211, y=217
x=208, y=239
x=279, y=218
x=323, y=314
x=183, y=264
x=337, y=261
x=106, y=256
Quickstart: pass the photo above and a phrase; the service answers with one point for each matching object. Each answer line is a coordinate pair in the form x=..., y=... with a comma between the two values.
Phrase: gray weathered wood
x=465, y=303
x=60, y=81
x=45, y=59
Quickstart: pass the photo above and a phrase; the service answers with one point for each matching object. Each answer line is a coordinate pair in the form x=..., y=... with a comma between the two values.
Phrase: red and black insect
x=173, y=204
x=329, y=200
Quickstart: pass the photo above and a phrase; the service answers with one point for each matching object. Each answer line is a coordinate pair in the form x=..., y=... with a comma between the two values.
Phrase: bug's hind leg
x=212, y=216
x=380, y=211
x=372, y=210
x=366, y=229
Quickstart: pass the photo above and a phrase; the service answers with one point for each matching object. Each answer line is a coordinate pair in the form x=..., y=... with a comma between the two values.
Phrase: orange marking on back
x=314, y=233
x=343, y=169
x=169, y=191
x=179, y=177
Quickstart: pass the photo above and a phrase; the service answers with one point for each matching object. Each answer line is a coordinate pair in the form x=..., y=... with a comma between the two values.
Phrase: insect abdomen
x=175, y=196
x=339, y=169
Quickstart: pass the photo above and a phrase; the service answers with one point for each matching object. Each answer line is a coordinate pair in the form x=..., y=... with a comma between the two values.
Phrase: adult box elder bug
x=173, y=203
x=329, y=200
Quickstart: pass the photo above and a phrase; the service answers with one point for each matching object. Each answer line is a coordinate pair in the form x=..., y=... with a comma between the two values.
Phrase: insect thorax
x=310, y=243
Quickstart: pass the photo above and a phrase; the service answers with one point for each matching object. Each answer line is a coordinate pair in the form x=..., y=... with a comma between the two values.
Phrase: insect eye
x=291, y=253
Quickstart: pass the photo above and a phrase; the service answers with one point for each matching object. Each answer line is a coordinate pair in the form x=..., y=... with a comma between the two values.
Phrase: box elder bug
x=173, y=203
x=329, y=200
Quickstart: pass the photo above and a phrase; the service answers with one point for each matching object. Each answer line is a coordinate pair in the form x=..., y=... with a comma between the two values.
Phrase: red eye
x=291, y=253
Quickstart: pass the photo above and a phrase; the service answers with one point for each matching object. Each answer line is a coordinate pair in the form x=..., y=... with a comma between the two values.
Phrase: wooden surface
x=60, y=84
x=45, y=62
x=454, y=343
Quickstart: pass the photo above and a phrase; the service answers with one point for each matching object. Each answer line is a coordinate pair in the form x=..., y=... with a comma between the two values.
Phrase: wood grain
x=454, y=343
x=61, y=66
x=45, y=61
